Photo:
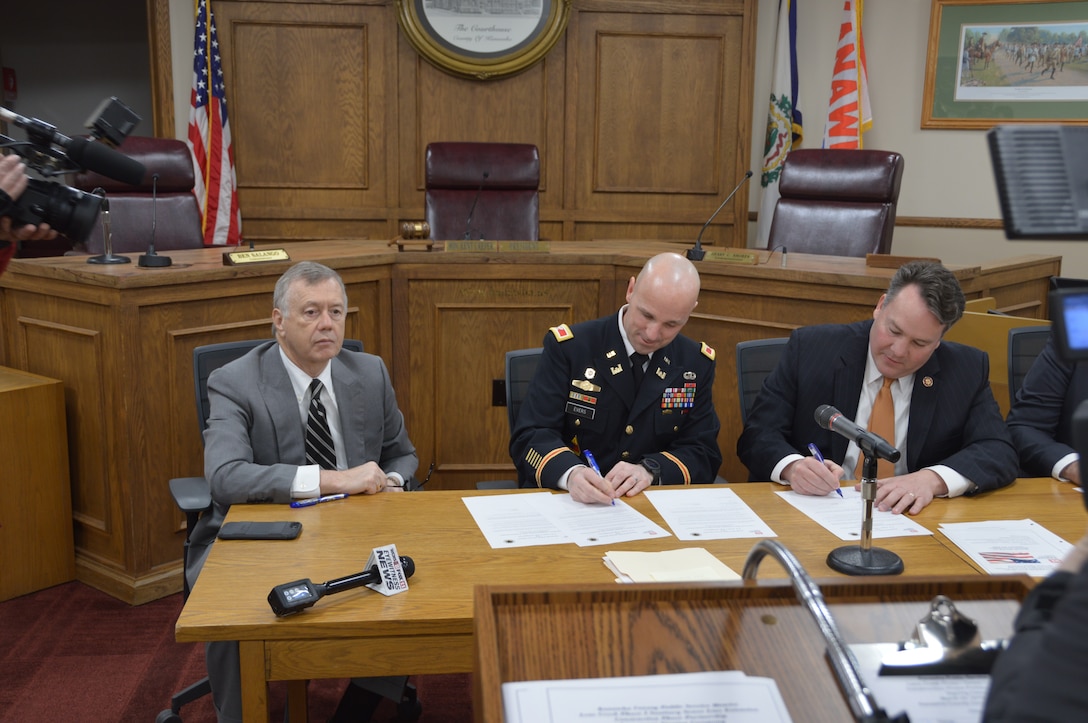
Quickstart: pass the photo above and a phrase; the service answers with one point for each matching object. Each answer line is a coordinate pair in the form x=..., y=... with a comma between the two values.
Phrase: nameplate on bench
x=732, y=257
x=254, y=256
x=483, y=246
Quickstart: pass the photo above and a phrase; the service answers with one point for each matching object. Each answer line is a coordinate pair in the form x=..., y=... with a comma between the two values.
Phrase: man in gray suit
x=259, y=444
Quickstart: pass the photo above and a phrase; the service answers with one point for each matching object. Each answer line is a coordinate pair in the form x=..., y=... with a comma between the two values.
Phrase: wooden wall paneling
x=657, y=120
x=311, y=98
x=461, y=320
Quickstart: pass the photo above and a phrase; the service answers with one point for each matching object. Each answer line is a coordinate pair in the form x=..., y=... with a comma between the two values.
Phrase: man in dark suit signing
x=947, y=424
x=627, y=389
x=261, y=444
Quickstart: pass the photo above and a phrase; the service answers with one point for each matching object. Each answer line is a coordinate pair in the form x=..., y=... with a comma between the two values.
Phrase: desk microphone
x=294, y=597
x=151, y=259
x=830, y=418
x=472, y=209
x=696, y=252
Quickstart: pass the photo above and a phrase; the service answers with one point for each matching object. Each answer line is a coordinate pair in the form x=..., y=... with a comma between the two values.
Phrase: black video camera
x=70, y=211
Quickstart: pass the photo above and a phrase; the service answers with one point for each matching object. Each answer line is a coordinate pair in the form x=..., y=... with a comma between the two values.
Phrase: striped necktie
x=319, y=445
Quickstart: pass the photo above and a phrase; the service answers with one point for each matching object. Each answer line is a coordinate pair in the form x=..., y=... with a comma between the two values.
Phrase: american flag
x=209, y=137
x=1006, y=557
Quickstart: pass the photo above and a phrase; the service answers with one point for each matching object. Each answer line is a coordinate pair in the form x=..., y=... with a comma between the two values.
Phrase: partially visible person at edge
x=13, y=180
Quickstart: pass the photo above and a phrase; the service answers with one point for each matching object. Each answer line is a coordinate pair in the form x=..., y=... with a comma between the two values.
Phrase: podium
x=562, y=632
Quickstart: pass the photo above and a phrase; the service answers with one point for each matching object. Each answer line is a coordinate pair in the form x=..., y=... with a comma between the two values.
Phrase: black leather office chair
x=1025, y=343
x=755, y=360
x=520, y=366
x=193, y=497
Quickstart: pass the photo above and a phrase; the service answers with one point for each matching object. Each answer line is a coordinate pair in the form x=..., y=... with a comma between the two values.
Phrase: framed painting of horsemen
x=483, y=39
x=1006, y=61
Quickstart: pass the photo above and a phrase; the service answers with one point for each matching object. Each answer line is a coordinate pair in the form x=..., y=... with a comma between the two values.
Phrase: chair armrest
x=191, y=494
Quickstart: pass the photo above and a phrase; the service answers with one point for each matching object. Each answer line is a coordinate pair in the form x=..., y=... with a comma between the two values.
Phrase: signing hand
x=588, y=487
x=628, y=479
x=810, y=476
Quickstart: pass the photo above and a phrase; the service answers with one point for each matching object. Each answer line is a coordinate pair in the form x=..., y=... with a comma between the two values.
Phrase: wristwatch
x=654, y=468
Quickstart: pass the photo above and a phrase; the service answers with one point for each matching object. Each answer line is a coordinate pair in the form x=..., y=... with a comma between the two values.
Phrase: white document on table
x=515, y=520
x=1009, y=547
x=841, y=516
x=925, y=698
x=707, y=514
x=681, y=698
x=600, y=524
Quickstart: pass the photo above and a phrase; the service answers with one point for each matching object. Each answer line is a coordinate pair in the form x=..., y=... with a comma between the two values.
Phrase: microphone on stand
x=863, y=559
x=107, y=236
x=696, y=252
x=472, y=209
x=151, y=259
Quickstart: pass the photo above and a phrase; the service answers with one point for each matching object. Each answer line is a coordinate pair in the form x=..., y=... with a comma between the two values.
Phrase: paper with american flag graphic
x=1008, y=547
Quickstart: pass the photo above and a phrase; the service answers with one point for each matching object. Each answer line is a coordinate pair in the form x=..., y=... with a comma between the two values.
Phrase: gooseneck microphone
x=294, y=597
x=696, y=252
x=152, y=259
x=830, y=418
x=89, y=154
x=472, y=209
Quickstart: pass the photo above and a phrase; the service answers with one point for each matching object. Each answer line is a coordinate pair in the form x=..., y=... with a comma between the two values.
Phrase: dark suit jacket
x=583, y=397
x=954, y=419
x=1041, y=418
x=255, y=442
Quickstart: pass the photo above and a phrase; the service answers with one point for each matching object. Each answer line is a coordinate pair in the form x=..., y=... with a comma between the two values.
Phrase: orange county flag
x=848, y=113
x=209, y=137
x=784, y=117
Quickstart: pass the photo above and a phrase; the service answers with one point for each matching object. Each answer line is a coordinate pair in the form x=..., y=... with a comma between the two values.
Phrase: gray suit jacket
x=255, y=442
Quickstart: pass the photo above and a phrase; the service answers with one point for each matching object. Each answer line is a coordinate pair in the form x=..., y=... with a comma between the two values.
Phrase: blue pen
x=820, y=458
x=315, y=500
x=593, y=463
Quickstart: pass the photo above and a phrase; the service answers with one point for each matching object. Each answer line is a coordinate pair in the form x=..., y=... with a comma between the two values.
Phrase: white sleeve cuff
x=307, y=482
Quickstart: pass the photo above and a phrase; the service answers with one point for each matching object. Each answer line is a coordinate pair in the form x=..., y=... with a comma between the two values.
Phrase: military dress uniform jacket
x=583, y=396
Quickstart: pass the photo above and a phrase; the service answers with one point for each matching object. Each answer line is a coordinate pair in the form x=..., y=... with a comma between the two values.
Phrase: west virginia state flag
x=784, y=117
x=848, y=113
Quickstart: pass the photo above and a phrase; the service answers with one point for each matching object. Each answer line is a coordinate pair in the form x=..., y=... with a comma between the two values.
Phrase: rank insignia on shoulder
x=708, y=351
x=562, y=332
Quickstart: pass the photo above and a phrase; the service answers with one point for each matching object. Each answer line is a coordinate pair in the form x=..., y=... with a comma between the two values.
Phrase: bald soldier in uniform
x=640, y=420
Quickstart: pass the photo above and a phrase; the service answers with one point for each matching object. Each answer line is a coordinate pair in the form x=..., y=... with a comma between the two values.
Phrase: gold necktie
x=882, y=423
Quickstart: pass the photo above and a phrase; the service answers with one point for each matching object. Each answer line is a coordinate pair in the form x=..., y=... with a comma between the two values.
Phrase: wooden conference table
x=429, y=629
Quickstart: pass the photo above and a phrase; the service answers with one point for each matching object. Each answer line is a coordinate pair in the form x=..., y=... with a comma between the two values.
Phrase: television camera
x=70, y=211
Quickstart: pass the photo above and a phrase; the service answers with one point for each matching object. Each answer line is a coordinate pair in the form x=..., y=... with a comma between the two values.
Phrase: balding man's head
x=660, y=300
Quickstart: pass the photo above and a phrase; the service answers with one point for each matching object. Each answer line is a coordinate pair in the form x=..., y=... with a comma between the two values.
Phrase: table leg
x=254, y=685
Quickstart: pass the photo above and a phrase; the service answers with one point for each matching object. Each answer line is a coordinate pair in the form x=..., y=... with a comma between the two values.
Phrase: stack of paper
x=693, y=564
x=1009, y=547
x=714, y=696
x=841, y=516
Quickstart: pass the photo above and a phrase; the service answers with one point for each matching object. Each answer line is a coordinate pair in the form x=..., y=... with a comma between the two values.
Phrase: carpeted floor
x=72, y=653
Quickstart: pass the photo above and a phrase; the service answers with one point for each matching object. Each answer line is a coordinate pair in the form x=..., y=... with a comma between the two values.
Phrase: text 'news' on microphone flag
x=209, y=137
x=784, y=128
x=848, y=111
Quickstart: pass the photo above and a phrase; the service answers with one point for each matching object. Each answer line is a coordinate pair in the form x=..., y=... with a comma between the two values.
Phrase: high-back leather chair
x=837, y=202
x=175, y=212
x=508, y=204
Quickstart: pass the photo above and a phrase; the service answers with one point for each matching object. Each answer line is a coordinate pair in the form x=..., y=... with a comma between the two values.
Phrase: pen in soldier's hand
x=593, y=463
x=820, y=458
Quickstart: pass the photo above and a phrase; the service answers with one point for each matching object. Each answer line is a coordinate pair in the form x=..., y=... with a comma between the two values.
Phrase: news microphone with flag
x=87, y=153
x=830, y=418
x=696, y=252
x=294, y=597
x=472, y=209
